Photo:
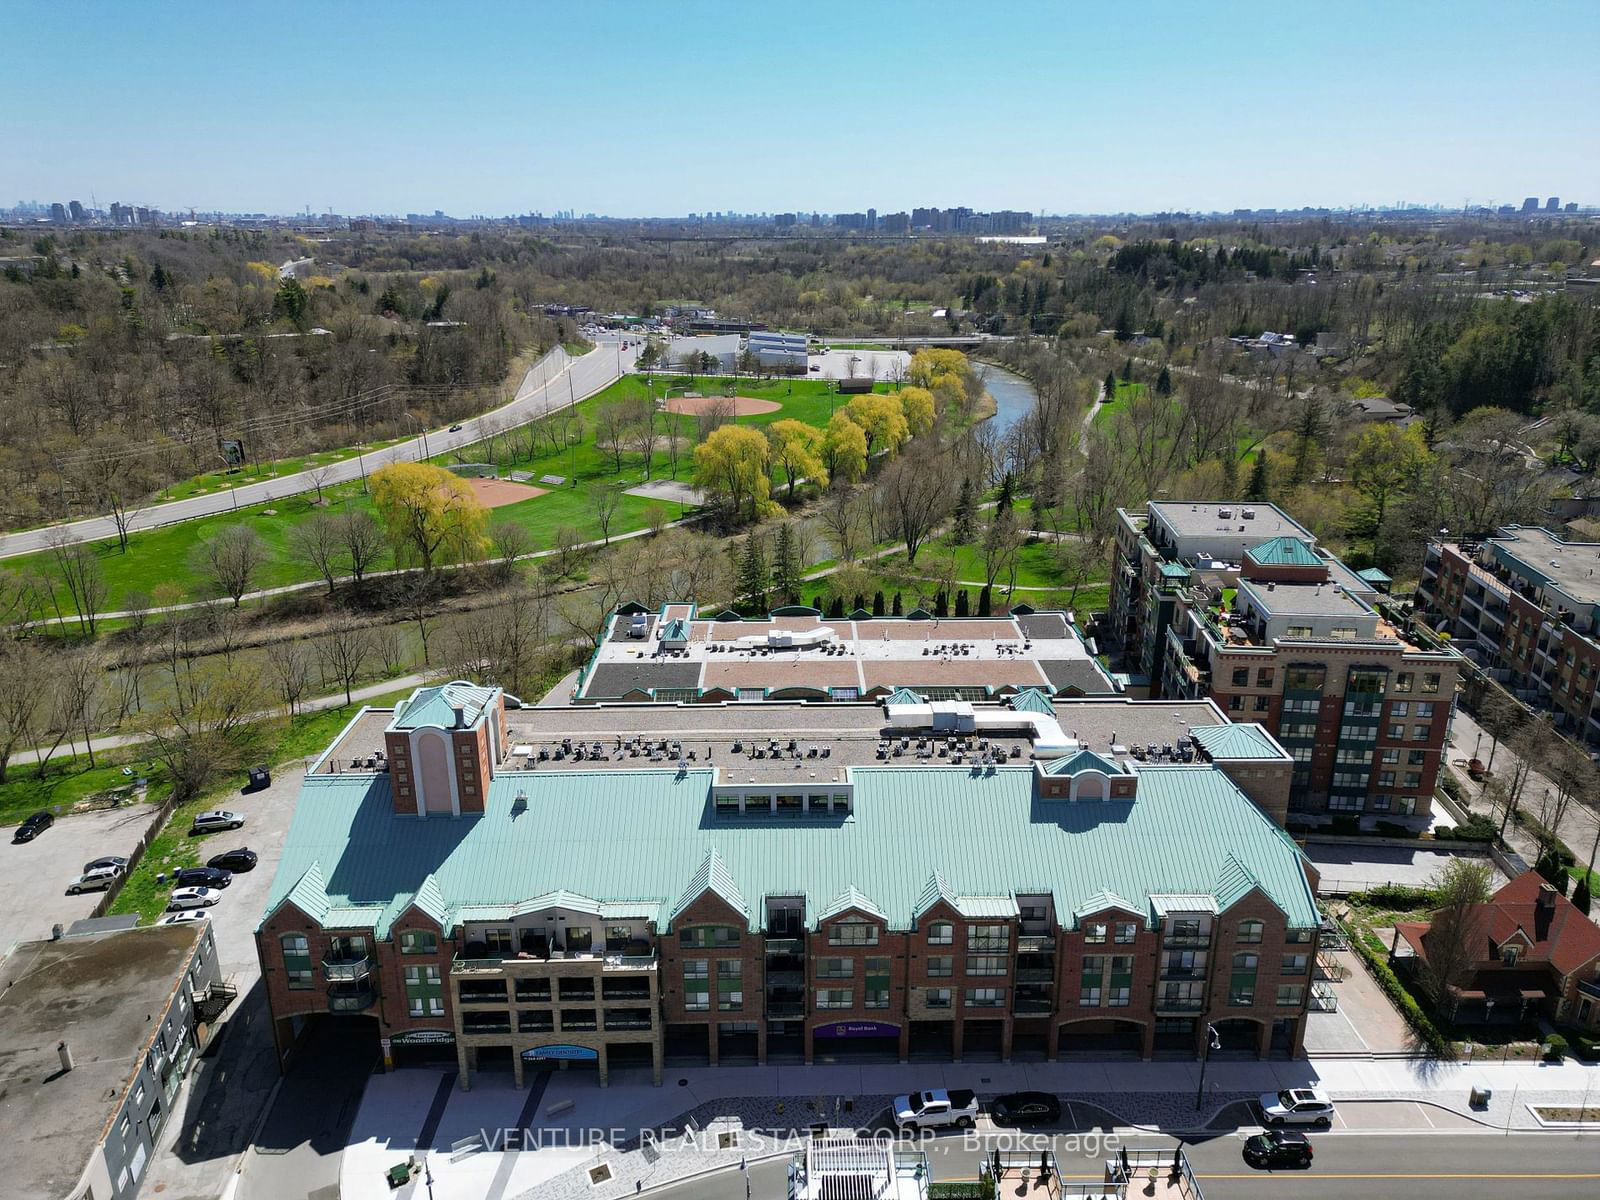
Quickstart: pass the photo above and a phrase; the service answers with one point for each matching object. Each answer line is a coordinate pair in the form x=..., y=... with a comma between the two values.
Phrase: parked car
x=184, y=918
x=33, y=827
x=1277, y=1148
x=1296, y=1106
x=97, y=880
x=110, y=860
x=234, y=860
x=1025, y=1108
x=215, y=819
x=209, y=877
x=937, y=1109
x=193, y=897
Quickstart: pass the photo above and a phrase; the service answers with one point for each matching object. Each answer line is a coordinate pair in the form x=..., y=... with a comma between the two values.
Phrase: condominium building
x=1525, y=606
x=630, y=885
x=1238, y=603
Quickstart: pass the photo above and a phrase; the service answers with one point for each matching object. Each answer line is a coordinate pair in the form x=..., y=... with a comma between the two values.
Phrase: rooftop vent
x=1225, y=513
x=1248, y=514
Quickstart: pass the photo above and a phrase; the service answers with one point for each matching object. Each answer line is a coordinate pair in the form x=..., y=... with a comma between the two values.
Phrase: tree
x=1002, y=541
x=913, y=496
x=604, y=499
x=25, y=678
x=1451, y=941
x=917, y=406
x=1310, y=430
x=844, y=449
x=81, y=573
x=317, y=544
x=841, y=517
x=213, y=728
x=290, y=666
x=1110, y=393
x=731, y=467
x=751, y=571
x=787, y=567
x=796, y=449
x=429, y=514
x=641, y=433
x=418, y=602
x=363, y=540
x=881, y=419
x=1581, y=899
x=1387, y=461
x=1164, y=381
x=232, y=556
x=344, y=652
x=79, y=695
x=1260, y=477
x=611, y=423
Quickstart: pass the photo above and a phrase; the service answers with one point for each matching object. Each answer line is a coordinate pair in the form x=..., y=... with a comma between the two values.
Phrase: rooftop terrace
x=1574, y=567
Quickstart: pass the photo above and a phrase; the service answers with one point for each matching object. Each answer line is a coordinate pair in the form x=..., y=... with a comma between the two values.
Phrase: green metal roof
x=1084, y=760
x=1174, y=570
x=1235, y=741
x=1285, y=552
x=1233, y=883
x=1103, y=900
x=712, y=876
x=1373, y=575
x=902, y=695
x=677, y=630
x=641, y=837
x=436, y=705
x=851, y=898
x=1032, y=699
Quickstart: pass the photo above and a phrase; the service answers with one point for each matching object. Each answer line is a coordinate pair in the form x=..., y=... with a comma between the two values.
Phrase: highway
x=553, y=382
x=1414, y=1165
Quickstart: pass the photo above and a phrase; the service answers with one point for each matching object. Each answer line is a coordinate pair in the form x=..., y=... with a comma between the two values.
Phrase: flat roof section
x=619, y=678
x=1305, y=599
x=104, y=996
x=1189, y=519
x=1574, y=567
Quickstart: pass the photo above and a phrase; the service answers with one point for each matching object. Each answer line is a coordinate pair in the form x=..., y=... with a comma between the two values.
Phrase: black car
x=33, y=827
x=1277, y=1148
x=110, y=860
x=234, y=860
x=1025, y=1108
x=209, y=877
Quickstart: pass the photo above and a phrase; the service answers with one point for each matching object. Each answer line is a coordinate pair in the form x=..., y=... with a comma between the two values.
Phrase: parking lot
x=37, y=873
x=1347, y=867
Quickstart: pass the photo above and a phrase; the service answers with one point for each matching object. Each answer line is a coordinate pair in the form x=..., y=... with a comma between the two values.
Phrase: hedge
x=1397, y=896
x=1587, y=1048
x=1437, y=1044
x=1478, y=828
x=972, y=1189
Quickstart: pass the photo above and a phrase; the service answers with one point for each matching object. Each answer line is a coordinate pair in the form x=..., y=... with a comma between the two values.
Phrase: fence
x=157, y=821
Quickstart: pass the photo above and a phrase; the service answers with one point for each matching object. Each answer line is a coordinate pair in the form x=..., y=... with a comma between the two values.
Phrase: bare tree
x=344, y=651
x=604, y=499
x=79, y=700
x=290, y=665
x=19, y=601
x=319, y=544
x=364, y=541
x=81, y=574
x=232, y=556
x=1454, y=933
x=611, y=423
x=25, y=675
x=389, y=644
x=318, y=477
x=568, y=544
x=913, y=497
x=215, y=729
x=508, y=542
x=642, y=433
x=136, y=612
x=419, y=603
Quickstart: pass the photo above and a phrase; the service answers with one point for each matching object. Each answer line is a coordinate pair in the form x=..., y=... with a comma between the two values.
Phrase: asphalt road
x=1418, y=1166
x=546, y=387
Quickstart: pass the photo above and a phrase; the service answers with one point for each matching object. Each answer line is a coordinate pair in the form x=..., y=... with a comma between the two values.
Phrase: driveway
x=37, y=873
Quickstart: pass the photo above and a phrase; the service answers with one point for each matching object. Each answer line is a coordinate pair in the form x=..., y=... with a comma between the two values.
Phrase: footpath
x=496, y=1142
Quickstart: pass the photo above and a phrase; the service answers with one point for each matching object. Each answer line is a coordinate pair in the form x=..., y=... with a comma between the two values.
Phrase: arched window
x=941, y=933
x=1250, y=932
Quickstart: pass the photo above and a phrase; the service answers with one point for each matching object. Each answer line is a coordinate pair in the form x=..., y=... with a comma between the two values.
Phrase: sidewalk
x=554, y=1143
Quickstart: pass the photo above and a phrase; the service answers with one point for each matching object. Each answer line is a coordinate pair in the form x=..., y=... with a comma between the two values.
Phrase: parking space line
x=1423, y=1109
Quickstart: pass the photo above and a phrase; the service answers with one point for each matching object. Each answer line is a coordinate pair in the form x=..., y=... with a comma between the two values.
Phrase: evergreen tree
x=836, y=609
x=941, y=605
x=1111, y=386
x=752, y=573
x=786, y=566
x=962, y=609
x=879, y=606
x=986, y=602
x=1127, y=370
x=1002, y=504
x=816, y=602
x=898, y=609
x=1581, y=898
x=963, y=518
x=1256, y=489
x=1164, y=382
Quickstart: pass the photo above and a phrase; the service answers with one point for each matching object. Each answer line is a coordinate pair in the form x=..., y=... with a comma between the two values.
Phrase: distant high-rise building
x=1530, y=204
x=851, y=220
x=872, y=220
x=1572, y=206
x=816, y=220
x=76, y=209
x=121, y=214
x=783, y=220
x=1553, y=204
x=894, y=223
x=58, y=213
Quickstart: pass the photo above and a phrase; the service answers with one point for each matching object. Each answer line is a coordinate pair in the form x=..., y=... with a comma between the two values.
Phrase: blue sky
x=694, y=105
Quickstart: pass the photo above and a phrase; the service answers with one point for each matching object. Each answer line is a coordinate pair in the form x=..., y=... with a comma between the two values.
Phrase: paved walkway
x=1365, y=1022
x=637, y=1131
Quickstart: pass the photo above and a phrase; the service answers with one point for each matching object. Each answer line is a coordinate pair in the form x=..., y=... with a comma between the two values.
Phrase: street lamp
x=417, y=425
x=1213, y=1042
x=227, y=465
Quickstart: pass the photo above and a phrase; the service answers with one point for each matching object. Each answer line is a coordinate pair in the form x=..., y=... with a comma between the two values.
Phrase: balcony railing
x=1035, y=974
x=783, y=945
x=1035, y=943
x=1173, y=1005
x=1186, y=939
x=781, y=1010
x=484, y=997
x=1032, y=1004
x=628, y=1022
x=786, y=979
x=1183, y=972
x=1589, y=987
x=487, y=1027
x=347, y=970
x=461, y=965
x=351, y=999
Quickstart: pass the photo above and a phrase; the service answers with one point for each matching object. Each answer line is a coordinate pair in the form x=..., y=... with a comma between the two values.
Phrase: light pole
x=417, y=425
x=1213, y=1042
x=227, y=469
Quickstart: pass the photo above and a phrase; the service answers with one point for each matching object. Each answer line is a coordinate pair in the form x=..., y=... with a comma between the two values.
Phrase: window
x=876, y=994
x=579, y=937
x=1413, y=779
x=1184, y=929
x=1297, y=937
x=424, y=991
x=1381, y=802
x=1343, y=633
x=1293, y=964
x=941, y=965
x=852, y=933
x=499, y=943
x=835, y=968
x=1399, y=709
x=1263, y=676
x=1390, y=758
x=1416, y=758
x=986, y=964
x=937, y=997
x=1346, y=803
x=730, y=985
x=1385, y=778
x=697, y=984
x=1297, y=729
x=1425, y=709
x=1430, y=684
x=1093, y=979
x=1235, y=703
x=1421, y=733
x=1291, y=994
x=297, y=961
x=1242, y=982
x=1250, y=932
x=988, y=937
x=1396, y=731
x=941, y=933
x=1119, y=987
x=1305, y=679
x=1299, y=631
x=1126, y=932
x=1032, y=914
x=836, y=998
x=419, y=941
x=1094, y=932
x=705, y=937
x=986, y=997
x=1402, y=681
x=1241, y=677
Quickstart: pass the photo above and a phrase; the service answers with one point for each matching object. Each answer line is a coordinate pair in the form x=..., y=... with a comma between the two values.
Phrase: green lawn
x=1036, y=566
x=1107, y=412
x=221, y=481
x=69, y=780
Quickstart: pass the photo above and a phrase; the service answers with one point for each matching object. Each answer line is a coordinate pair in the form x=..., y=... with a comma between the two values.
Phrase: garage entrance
x=855, y=1041
x=687, y=1045
x=1108, y=1038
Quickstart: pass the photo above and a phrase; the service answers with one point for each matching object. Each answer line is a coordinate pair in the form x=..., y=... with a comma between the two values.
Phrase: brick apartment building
x=628, y=885
x=1237, y=603
x=1525, y=606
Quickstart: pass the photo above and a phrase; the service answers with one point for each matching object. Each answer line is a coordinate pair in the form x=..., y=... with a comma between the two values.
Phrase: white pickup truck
x=936, y=1109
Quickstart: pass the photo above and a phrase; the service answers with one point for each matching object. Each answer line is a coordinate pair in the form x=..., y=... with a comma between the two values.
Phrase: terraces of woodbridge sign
x=423, y=1037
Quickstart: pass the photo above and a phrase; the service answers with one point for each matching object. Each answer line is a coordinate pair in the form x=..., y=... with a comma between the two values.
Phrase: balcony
x=1183, y=973
x=1186, y=939
x=487, y=1023
x=482, y=995
x=1035, y=974
x=607, y=961
x=784, y=1010
x=351, y=999
x=625, y=990
x=1036, y=943
x=1174, y=1004
x=785, y=945
x=347, y=970
x=786, y=979
x=1032, y=1004
x=628, y=1020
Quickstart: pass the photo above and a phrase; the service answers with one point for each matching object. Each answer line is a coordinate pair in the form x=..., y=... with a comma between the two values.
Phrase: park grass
x=1107, y=412
x=69, y=779
x=1036, y=566
x=220, y=481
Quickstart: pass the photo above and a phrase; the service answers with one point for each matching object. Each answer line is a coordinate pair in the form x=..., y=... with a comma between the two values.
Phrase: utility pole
x=1213, y=1042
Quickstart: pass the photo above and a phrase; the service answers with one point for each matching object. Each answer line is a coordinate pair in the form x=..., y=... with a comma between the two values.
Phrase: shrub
x=1478, y=828
x=1346, y=824
x=1394, y=830
x=1555, y=1047
x=972, y=1189
x=1452, y=788
x=1585, y=1047
x=1397, y=896
x=1421, y=1025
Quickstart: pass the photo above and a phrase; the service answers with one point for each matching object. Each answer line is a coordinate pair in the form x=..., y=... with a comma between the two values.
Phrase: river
x=1014, y=397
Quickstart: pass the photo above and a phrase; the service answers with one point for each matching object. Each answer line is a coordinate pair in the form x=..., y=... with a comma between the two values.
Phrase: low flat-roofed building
x=97, y=1031
x=678, y=654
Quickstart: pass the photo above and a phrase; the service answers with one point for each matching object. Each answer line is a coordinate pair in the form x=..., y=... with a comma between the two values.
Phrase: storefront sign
x=563, y=1053
x=423, y=1037
x=856, y=1029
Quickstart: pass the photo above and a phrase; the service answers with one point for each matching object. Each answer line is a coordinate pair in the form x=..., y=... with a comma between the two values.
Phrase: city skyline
x=482, y=117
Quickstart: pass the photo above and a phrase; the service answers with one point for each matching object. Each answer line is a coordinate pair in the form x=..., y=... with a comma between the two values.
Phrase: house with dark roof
x=1535, y=955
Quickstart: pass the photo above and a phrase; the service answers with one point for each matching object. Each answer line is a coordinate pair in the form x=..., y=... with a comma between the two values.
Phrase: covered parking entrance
x=982, y=1041
x=687, y=1045
x=419, y=1048
x=855, y=1041
x=1240, y=1038
x=933, y=1041
x=1101, y=1038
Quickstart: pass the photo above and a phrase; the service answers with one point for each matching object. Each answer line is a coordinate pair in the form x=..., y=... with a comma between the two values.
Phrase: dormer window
x=1509, y=955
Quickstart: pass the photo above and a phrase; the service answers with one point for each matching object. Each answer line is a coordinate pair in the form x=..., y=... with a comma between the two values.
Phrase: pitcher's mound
x=740, y=406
